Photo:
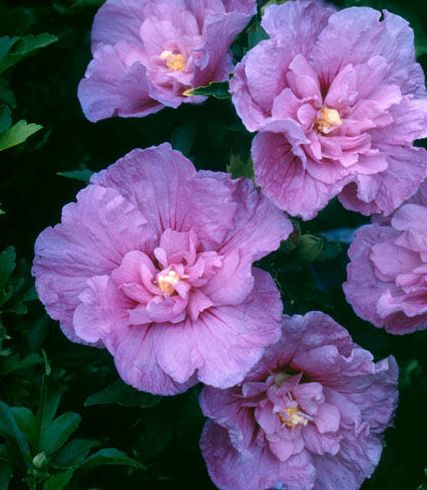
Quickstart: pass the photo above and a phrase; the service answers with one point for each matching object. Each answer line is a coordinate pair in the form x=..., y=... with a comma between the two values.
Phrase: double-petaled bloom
x=148, y=53
x=337, y=99
x=387, y=274
x=310, y=415
x=154, y=262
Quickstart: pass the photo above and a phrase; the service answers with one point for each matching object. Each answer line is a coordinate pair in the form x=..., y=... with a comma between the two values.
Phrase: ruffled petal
x=108, y=227
x=382, y=193
x=231, y=470
x=226, y=341
x=283, y=178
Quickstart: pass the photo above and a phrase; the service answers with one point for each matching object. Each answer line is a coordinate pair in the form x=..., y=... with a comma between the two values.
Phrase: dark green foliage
x=70, y=423
x=123, y=395
x=219, y=90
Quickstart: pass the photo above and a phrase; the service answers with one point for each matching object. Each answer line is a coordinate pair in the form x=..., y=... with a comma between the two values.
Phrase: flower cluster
x=310, y=415
x=338, y=99
x=387, y=275
x=155, y=260
x=148, y=53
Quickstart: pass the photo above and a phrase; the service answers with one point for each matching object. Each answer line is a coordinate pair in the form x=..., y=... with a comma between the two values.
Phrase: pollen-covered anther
x=292, y=417
x=175, y=62
x=328, y=120
x=167, y=282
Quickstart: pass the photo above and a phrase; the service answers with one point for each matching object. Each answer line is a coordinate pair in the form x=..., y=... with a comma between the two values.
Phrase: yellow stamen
x=167, y=282
x=292, y=417
x=175, y=62
x=328, y=120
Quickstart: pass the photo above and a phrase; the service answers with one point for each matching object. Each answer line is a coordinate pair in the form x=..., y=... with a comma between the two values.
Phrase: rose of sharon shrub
x=338, y=100
x=147, y=53
x=387, y=275
x=154, y=262
x=310, y=415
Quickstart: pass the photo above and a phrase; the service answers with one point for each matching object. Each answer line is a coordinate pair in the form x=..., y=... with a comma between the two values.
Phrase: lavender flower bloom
x=310, y=414
x=147, y=53
x=387, y=275
x=338, y=100
x=154, y=262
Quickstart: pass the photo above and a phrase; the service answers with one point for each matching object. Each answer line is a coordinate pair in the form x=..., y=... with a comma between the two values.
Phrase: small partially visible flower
x=310, y=415
x=154, y=262
x=338, y=99
x=387, y=274
x=147, y=53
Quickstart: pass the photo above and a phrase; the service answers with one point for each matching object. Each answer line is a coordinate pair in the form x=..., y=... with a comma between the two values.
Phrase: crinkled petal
x=283, y=178
x=231, y=470
x=385, y=191
x=134, y=351
x=114, y=84
x=296, y=23
x=118, y=20
x=226, y=341
x=362, y=288
x=154, y=180
x=108, y=227
x=102, y=309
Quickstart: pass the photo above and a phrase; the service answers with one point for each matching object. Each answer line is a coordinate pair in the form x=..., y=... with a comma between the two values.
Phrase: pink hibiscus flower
x=310, y=415
x=338, y=100
x=387, y=275
x=148, y=53
x=154, y=262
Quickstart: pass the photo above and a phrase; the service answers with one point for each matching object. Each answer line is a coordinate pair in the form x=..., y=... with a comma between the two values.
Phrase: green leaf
x=10, y=430
x=110, y=456
x=6, y=472
x=73, y=454
x=6, y=44
x=219, y=90
x=271, y=2
x=20, y=48
x=49, y=400
x=17, y=134
x=183, y=137
x=58, y=481
x=5, y=118
x=238, y=168
x=7, y=266
x=27, y=423
x=58, y=432
x=15, y=363
x=76, y=5
x=124, y=395
x=6, y=94
x=256, y=35
x=83, y=175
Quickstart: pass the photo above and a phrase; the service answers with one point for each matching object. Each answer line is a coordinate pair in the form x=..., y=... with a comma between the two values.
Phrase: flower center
x=328, y=120
x=167, y=282
x=292, y=417
x=175, y=62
